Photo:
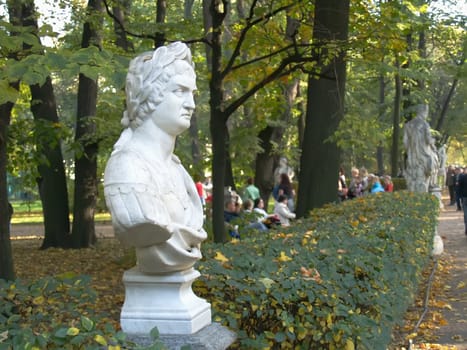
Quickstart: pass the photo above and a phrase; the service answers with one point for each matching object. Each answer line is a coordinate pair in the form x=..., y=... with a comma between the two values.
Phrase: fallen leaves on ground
x=425, y=336
x=105, y=263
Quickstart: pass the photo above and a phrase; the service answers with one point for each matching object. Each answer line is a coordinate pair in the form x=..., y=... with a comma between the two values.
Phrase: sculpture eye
x=180, y=91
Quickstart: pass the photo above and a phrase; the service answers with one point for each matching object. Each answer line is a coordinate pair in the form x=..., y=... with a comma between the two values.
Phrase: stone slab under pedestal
x=163, y=301
x=212, y=337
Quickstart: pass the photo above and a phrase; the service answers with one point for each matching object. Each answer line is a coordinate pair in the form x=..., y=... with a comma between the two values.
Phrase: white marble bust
x=152, y=199
x=422, y=159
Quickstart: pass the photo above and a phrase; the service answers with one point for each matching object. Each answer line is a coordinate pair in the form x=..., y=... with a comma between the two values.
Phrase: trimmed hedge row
x=341, y=279
x=338, y=280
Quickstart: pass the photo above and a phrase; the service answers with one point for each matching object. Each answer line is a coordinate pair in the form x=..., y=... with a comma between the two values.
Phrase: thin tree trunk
x=266, y=161
x=7, y=271
x=120, y=11
x=160, y=19
x=395, y=126
x=444, y=110
x=380, y=147
x=83, y=233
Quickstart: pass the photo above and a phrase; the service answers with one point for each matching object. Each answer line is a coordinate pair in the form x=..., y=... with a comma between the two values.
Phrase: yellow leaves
x=221, y=257
x=100, y=340
x=460, y=285
x=349, y=345
x=72, y=331
x=442, y=305
x=354, y=223
x=283, y=257
x=39, y=300
x=362, y=218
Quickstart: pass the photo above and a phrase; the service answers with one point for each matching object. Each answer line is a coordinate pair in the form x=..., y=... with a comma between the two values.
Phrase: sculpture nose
x=189, y=102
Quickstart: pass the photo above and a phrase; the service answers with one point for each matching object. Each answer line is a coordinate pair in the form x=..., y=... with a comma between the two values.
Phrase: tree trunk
x=395, y=126
x=266, y=161
x=444, y=110
x=52, y=179
x=83, y=233
x=120, y=11
x=324, y=111
x=160, y=19
x=217, y=124
x=380, y=148
x=7, y=271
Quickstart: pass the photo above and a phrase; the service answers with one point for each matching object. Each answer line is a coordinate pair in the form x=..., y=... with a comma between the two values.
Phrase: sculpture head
x=422, y=111
x=152, y=76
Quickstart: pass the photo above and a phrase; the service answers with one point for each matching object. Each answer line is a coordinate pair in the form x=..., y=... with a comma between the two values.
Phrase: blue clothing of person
x=228, y=217
x=377, y=187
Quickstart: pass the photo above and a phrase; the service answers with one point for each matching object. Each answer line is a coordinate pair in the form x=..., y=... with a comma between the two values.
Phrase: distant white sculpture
x=153, y=201
x=422, y=160
x=283, y=168
x=442, y=165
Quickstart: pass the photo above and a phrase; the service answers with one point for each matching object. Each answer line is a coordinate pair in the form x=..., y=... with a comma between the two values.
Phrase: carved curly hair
x=147, y=75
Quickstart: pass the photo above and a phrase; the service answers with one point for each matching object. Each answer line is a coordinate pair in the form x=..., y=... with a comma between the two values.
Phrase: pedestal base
x=436, y=191
x=163, y=301
x=212, y=337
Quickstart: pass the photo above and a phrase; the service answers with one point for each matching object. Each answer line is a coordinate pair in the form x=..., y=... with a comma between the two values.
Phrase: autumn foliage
x=341, y=279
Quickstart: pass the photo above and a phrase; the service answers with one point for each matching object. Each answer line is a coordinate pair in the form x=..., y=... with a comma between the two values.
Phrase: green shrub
x=338, y=280
x=57, y=313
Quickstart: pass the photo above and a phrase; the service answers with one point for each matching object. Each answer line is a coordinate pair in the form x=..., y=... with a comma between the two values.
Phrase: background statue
x=283, y=168
x=153, y=201
x=422, y=163
x=442, y=157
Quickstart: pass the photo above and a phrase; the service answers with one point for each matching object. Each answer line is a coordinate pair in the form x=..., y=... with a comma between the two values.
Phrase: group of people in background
x=453, y=175
x=456, y=182
x=362, y=183
x=249, y=208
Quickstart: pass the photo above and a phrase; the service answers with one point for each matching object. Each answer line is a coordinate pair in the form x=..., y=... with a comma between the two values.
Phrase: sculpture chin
x=155, y=260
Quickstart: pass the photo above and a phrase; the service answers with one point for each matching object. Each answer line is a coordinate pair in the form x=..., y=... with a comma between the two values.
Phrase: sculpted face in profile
x=152, y=199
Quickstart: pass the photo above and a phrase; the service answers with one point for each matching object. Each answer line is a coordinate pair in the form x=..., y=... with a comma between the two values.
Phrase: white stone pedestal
x=436, y=191
x=166, y=301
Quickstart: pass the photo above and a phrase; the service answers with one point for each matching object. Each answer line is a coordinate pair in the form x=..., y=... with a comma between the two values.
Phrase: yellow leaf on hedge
x=100, y=339
x=221, y=257
x=38, y=300
x=114, y=347
x=283, y=257
x=72, y=331
x=349, y=345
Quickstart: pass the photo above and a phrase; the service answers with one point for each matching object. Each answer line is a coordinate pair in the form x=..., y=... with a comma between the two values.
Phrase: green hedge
x=339, y=280
x=58, y=313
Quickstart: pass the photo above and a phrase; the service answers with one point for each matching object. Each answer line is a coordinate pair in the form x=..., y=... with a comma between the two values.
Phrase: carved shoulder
x=127, y=168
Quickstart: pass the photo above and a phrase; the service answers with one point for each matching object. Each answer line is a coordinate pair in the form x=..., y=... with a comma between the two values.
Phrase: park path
x=24, y=231
x=451, y=229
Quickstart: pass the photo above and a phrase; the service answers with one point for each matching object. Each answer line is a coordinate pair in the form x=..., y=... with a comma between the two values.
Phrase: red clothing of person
x=389, y=187
x=199, y=188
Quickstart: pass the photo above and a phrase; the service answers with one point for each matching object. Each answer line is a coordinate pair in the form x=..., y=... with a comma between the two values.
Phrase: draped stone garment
x=155, y=208
x=422, y=160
